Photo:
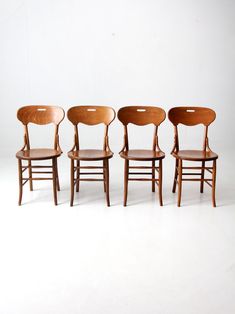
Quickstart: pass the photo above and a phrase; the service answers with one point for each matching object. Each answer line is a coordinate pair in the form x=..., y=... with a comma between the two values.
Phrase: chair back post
x=56, y=137
x=155, y=138
x=176, y=140
x=205, y=142
x=106, y=140
x=76, y=137
x=26, y=137
x=126, y=139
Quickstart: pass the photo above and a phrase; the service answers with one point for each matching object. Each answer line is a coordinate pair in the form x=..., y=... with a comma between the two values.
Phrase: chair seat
x=142, y=154
x=38, y=154
x=195, y=155
x=90, y=154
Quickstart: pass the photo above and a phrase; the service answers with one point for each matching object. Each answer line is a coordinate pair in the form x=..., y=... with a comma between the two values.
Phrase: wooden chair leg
x=179, y=182
x=126, y=172
x=78, y=176
x=175, y=176
x=104, y=176
x=107, y=181
x=72, y=182
x=202, y=177
x=153, y=176
x=54, y=180
x=213, y=183
x=57, y=176
x=160, y=183
x=20, y=181
x=30, y=176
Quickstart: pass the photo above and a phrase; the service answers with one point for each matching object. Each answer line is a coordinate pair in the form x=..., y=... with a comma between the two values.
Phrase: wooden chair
x=90, y=115
x=191, y=116
x=40, y=115
x=142, y=115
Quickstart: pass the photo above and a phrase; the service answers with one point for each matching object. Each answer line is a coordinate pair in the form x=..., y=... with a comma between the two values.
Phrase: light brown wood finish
x=142, y=115
x=40, y=115
x=191, y=116
x=90, y=115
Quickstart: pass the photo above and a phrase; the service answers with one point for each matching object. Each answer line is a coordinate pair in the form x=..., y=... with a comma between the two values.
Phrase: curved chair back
x=191, y=115
x=40, y=114
x=141, y=115
x=91, y=115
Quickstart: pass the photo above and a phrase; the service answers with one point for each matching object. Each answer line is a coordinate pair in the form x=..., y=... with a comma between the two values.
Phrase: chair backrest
x=141, y=115
x=91, y=115
x=41, y=115
x=191, y=116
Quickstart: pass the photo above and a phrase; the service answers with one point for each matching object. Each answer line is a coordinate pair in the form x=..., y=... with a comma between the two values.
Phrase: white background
x=142, y=259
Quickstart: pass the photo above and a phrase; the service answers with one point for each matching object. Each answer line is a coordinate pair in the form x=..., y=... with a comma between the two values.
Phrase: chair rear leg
x=160, y=182
x=54, y=175
x=126, y=172
x=153, y=176
x=20, y=181
x=78, y=176
x=72, y=182
x=104, y=176
x=175, y=176
x=202, y=177
x=30, y=175
x=213, y=183
x=107, y=181
x=179, y=182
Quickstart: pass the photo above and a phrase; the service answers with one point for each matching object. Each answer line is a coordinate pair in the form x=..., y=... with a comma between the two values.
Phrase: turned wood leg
x=57, y=175
x=213, y=183
x=54, y=174
x=20, y=181
x=30, y=175
x=179, y=182
x=126, y=172
x=153, y=176
x=175, y=176
x=104, y=175
x=72, y=182
x=202, y=177
x=107, y=181
x=78, y=176
x=160, y=182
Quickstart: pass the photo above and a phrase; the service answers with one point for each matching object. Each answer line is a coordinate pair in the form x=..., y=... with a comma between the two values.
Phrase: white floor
x=91, y=259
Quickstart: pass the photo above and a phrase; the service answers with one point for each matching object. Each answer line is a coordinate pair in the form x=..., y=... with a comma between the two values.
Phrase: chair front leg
x=126, y=172
x=78, y=176
x=30, y=175
x=213, y=183
x=107, y=181
x=202, y=177
x=57, y=176
x=153, y=176
x=104, y=175
x=54, y=179
x=72, y=182
x=160, y=182
x=179, y=182
x=175, y=176
x=20, y=181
